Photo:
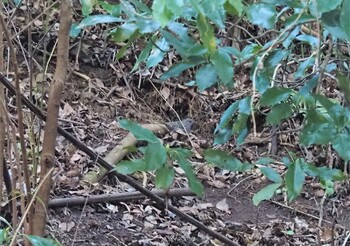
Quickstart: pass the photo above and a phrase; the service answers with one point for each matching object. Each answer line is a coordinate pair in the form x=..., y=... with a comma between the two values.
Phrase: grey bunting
x=177, y=125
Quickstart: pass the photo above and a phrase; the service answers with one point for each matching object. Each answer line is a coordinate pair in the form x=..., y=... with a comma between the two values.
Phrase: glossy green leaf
x=206, y=32
x=240, y=123
x=123, y=32
x=278, y=113
x=176, y=70
x=164, y=177
x=144, y=54
x=93, y=20
x=331, y=20
x=262, y=14
x=310, y=169
x=39, y=241
x=309, y=86
x=265, y=194
x=155, y=156
x=161, y=12
x=317, y=8
x=206, y=77
x=309, y=39
x=300, y=73
x=244, y=105
x=214, y=10
x=2, y=236
x=271, y=174
x=344, y=84
x=74, y=30
x=264, y=161
x=222, y=160
x=344, y=18
x=315, y=133
x=223, y=66
x=223, y=135
x=275, y=95
x=295, y=178
x=147, y=25
x=139, y=132
x=181, y=156
x=242, y=135
x=122, y=50
x=157, y=54
x=87, y=6
x=227, y=116
x=326, y=173
x=340, y=143
x=291, y=37
x=234, y=7
x=275, y=57
x=129, y=167
x=326, y=102
x=112, y=9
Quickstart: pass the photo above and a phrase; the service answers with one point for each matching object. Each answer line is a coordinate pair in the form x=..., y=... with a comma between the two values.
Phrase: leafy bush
x=172, y=25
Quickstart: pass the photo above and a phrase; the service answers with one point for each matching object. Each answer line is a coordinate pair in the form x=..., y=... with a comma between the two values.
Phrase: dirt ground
x=89, y=110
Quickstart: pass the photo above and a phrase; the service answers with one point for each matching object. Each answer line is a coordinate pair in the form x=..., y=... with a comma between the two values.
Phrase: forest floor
x=90, y=109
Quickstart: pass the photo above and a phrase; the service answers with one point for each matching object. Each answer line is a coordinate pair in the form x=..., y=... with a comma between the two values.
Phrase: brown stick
x=118, y=197
x=47, y=158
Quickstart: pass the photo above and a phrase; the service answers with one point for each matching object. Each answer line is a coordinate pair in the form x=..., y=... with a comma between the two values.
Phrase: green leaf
x=206, y=32
x=271, y=174
x=164, y=177
x=275, y=57
x=326, y=173
x=265, y=194
x=223, y=160
x=39, y=241
x=157, y=53
x=309, y=39
x=2, y=236
x=317, y=8
x=331, y=20
x=262, y=14
x=310, y=169
x=340, y=143
x=87, y=6
x=144, y=54
x=295, y=178
x=147, y=25
x=224, y=67
x=244, y=105
x=223, y=135
x=214, y=10
x=176, y=70
x=326, y=102
x=129, y=167
x=344, y=84
x=234, y=7
x=242, y=136
x=300, y=73
x=155, y=156
x=264, y=161
x=309, y=86
x=344, y=18
x=279, y=112
x=123, y=32
x=139, y=132
x=181, y=156
x=227, y=116
x=206, y=77
x=112, y=9
x=122, y=50
x=93, y=20
x=161, y=12
x=275, y=95
x=74, y=30
x=315, y=133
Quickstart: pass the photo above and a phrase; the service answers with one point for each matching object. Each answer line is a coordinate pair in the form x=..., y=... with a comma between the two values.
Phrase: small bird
x=180, y=125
